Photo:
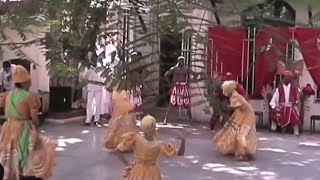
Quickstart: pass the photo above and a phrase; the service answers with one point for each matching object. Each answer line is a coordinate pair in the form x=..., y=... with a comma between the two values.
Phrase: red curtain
x=310, y=49
x=230, y=46
x=267, y=57
x=232, y=52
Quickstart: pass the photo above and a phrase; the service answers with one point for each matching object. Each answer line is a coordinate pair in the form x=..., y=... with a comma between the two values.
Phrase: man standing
x=180, y=93
x=94, y=98
x=6, y=80
x=285, y=103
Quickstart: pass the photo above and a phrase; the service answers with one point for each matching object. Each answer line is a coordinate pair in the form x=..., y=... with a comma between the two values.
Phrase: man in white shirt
x=94, y=98
x=6, y=80
x=285, y=102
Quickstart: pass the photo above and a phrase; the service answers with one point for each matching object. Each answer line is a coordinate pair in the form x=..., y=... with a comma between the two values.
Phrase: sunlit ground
x=279, y=156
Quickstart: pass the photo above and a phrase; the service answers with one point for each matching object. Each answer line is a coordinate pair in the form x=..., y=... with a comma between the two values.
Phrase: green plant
x=77, y=24
x=61, y=70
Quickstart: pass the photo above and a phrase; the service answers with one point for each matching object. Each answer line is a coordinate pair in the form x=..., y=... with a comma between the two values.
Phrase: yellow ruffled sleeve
x=168, y=150
x=127, y=141
x=235, y=100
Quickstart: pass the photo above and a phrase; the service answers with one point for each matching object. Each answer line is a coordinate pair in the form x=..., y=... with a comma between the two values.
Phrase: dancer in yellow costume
x=23, y=150
x=146, y=151
x=238, y=136
x=123, y=119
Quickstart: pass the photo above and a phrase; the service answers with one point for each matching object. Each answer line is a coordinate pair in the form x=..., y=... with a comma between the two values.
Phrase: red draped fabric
x=229, y=43
x=233, y=50
x=267, y=57
x=310, y=49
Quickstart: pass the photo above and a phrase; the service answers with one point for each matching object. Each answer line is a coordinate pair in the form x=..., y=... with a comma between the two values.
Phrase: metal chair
x=313, y=120
x=259, y=114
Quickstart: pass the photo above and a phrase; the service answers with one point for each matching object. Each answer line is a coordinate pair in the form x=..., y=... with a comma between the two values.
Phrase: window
x=289, y=58
x=186, y=47
x=249, y=81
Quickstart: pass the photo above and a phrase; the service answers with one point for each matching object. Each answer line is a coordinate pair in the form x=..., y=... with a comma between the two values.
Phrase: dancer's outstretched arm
x=194, y=74
x=2, y=99
x=121, y=157
x=168, y=74
x=182, y=147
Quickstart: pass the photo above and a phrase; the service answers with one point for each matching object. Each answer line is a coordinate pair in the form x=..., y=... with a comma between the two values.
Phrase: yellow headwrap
x=20, y=74
x=148, y=124
x=228, y=87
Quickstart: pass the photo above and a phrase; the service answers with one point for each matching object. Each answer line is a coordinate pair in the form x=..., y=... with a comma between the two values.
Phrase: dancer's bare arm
x=194, y=74
x=181, y=135
x=121, y=157
x=168, y=74
x=34, y=106
x=2, y=100
x=34, y=118
x=182, y=147
x=231, y=108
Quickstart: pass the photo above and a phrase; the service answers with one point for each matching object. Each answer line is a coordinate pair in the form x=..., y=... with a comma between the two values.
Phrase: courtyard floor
x=280, y=156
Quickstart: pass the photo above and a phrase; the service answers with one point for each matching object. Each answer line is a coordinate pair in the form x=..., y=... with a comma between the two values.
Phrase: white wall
x=198, y=99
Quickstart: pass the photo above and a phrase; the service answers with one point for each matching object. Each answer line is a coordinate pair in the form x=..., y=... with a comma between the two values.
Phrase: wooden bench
x=313, y=120
x=259, y=114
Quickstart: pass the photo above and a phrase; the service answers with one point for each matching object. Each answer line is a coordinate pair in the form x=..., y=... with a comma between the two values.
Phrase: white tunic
x=275, y=99
x=7, y=84
x=94, y=77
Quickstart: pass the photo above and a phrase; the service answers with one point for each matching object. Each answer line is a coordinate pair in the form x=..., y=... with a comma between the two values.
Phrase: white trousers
x=94, y=105
x=106, y=103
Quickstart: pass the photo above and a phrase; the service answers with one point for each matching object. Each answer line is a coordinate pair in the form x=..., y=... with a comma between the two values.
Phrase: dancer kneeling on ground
x=238, y=136
x=147, y=152
x=23, y=151
x=123, y=119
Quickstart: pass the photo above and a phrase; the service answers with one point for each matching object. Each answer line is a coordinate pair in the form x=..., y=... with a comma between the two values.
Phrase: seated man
x=285, y=102
x=6, y=80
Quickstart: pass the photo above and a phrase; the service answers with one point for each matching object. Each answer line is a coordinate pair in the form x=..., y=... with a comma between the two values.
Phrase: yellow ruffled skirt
x=142, y=172
x=42, y=154
x=117, y=127
x=237, y=140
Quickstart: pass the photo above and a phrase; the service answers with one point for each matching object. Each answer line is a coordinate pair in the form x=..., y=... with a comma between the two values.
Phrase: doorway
x=22, y=62
x=170, y=50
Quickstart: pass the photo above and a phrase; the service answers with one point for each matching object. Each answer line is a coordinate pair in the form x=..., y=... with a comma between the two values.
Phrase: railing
x=186, y=45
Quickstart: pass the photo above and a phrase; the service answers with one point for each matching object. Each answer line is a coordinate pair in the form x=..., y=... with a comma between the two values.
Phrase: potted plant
x=62, y=80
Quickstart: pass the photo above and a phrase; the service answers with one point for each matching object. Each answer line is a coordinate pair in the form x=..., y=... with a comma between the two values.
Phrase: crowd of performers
x=24, y=152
